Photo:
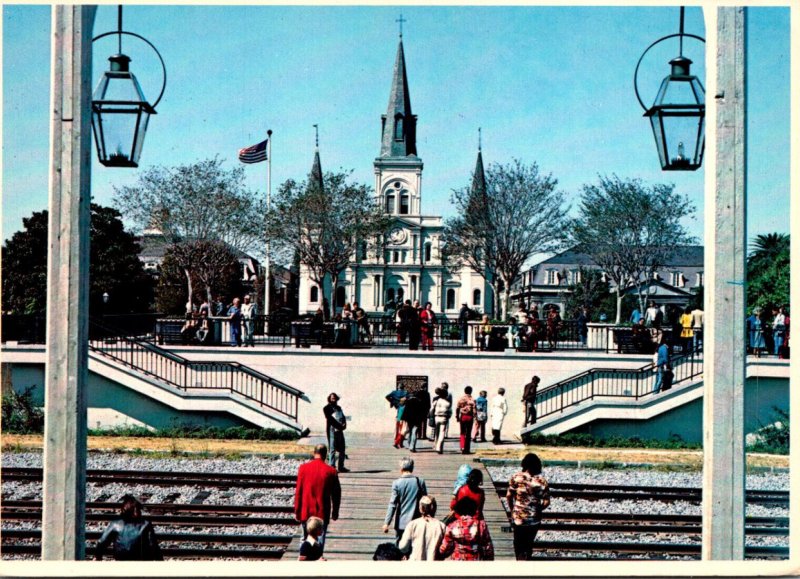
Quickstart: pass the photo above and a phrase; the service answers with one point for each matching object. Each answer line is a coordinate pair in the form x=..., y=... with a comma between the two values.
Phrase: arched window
x=451, y=299
x=398, y=128
x=340, y=297
x=476, y=297
x=390, y=202
x=404, y=203
x=314, y=294
x=390, y=294
x=400, y=294
x=427, y=251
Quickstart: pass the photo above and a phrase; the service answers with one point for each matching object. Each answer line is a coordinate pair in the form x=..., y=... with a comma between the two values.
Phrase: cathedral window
x=390, y=203
x=451, y=299
x=427, y=252
x=340, y=297
x=404, y=204
x=314, y=297
x=390, y=294
x=398, y=128
x=476, y=297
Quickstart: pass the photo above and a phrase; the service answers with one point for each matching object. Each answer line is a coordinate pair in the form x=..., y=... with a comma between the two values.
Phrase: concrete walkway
x=374, y=464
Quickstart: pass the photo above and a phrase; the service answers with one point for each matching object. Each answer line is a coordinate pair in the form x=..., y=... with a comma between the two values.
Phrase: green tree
x=114, y=266
x=216, y=272
x=768, y=268
x=323, y=221
x=630, y=229
x=196, y=206
x=498, y=229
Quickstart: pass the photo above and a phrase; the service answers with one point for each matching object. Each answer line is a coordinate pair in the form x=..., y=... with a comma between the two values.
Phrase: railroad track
x=687, y=527
x=228, y=480
x=164, y=478
x=594, y=492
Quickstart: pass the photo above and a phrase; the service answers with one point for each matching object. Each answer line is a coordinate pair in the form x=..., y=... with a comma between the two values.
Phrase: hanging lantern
x=120, y=112
x=677, y=116
x=120, y=115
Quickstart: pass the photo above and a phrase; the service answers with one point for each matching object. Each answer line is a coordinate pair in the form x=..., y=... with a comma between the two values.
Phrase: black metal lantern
x=120, y=112
x=677, y=116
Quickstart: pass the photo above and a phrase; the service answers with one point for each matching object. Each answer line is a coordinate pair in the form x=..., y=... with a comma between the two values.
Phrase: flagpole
x=267, y=280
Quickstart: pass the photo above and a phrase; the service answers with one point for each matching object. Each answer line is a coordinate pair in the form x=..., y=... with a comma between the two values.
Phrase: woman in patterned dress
x=467, y=537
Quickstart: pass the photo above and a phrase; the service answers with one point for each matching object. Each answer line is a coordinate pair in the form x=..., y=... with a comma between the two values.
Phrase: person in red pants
x=465, y=416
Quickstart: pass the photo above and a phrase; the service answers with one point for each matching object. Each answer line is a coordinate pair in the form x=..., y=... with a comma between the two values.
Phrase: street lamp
x=120, y=112
x=677, y=116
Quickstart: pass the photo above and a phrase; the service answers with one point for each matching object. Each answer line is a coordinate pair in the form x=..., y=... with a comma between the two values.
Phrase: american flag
x=254, y=154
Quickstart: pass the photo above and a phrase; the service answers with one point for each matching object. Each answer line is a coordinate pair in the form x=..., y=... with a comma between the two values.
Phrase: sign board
x=413, y=383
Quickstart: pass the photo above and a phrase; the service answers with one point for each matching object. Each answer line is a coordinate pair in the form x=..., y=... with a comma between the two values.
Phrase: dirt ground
x=688, y=458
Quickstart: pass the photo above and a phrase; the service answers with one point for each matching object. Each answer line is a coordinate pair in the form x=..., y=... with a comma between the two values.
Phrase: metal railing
x=187, y=375
x=611, y=382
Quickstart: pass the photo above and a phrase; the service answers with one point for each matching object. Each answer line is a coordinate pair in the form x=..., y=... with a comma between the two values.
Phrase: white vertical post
x=725, y=242
x=68, y=285
x=267, y=280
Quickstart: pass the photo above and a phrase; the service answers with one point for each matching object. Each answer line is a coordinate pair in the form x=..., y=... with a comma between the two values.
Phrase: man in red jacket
x=318, y=492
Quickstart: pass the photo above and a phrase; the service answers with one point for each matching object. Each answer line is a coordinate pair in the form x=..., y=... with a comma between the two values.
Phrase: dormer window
x=398, y=128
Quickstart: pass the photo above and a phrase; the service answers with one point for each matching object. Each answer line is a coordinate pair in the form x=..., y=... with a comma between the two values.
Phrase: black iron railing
x=188, y=375
x=611, y=382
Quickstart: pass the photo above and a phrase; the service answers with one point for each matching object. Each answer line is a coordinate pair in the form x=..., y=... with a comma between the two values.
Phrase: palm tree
x=766, y=248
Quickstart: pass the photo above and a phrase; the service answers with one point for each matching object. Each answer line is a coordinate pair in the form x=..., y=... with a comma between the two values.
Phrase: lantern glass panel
x=679, y=137
x=120, y=116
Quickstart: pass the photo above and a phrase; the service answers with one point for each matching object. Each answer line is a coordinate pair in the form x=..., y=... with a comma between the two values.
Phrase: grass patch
x=196, y=432
x=675, y=442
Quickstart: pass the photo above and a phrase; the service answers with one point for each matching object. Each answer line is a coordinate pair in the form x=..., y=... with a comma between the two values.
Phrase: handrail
x=185, y=374
x=600, y=382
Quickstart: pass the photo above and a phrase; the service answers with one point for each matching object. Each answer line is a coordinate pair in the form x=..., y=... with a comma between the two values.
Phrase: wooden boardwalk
x=374, y=464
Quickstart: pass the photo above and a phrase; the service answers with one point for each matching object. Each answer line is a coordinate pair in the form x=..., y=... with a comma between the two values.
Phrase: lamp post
x=66, y=368
x=106, y=297
x=677, y=115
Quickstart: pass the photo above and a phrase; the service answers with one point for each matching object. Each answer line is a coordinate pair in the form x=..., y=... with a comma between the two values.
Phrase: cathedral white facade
x=410, y=266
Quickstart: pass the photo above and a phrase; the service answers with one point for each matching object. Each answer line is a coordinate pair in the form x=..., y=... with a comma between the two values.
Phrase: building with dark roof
x=548, y=281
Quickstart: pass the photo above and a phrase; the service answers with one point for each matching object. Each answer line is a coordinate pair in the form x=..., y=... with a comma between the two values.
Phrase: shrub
x=190, y=431
x=20, y=414
x=587, y=440
x=773, y=438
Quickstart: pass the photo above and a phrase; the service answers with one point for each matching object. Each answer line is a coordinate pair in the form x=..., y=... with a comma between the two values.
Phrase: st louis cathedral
x=411, y=265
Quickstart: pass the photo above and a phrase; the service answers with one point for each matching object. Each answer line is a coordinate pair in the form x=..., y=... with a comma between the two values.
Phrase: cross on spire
x=316, y=135
x=479, y=138
x=401, y=20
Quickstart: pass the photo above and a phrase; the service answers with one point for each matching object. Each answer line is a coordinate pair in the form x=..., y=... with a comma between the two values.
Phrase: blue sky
x=546, y=84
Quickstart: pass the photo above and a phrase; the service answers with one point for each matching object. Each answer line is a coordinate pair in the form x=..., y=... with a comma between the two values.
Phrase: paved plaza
x=374, y=464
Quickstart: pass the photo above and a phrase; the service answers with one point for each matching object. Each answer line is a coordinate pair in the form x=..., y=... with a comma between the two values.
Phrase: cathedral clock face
x=398, y=235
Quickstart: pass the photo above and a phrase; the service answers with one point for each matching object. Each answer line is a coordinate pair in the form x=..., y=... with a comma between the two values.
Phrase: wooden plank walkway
x=374, y=464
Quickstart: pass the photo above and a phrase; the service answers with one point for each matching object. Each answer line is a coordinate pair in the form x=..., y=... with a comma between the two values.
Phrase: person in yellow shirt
x=687, y=333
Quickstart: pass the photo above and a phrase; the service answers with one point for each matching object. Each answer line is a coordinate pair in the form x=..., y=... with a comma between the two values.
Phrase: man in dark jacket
x=414, y=415
x=318, y=492
x=529, y=398
x=463, y=319
x=335, y=426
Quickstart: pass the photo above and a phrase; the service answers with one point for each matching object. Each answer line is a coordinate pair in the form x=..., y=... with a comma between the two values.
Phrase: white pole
x=67, y=368
x=726, y=236
x=267, y=280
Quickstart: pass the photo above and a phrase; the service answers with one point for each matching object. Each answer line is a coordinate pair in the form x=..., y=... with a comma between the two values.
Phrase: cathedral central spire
x=399, y=124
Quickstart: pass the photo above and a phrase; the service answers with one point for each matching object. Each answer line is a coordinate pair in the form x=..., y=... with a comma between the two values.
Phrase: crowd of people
x=241, y=317
x=418, y=417
x=768, y=331
x=461, y=535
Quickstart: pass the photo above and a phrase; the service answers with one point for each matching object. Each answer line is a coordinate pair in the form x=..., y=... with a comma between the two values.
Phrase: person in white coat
x=497, y=413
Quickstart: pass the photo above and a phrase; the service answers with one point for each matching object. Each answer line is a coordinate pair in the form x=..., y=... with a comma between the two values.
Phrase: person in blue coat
x=406, y=492
x=661, y=361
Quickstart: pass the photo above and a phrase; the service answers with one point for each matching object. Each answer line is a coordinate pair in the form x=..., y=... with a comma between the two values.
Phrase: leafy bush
x=20, y=414
x=773, y=438
x=189, y=431
x=587, y=440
